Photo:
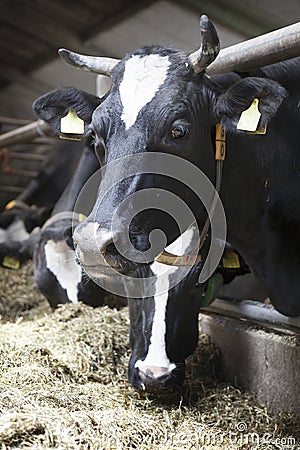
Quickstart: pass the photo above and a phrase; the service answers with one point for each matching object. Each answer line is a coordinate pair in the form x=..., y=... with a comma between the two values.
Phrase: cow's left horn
x=97, y=64
x=209, y=48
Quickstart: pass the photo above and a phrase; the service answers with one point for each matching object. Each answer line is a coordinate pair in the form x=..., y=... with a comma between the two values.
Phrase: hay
x=18, y=296
x=63, y=385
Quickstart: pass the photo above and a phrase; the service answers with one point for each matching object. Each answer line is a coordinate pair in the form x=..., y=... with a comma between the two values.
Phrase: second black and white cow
x=57, y=274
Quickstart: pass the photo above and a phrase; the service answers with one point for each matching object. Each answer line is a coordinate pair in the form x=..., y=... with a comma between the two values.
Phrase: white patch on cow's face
x=157, y=354
x=180, y=245
x=60, y=260
x=16, y=231
x=143, y=76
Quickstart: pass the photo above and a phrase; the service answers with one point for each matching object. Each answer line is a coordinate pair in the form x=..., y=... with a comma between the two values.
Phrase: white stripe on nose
x=156, y=362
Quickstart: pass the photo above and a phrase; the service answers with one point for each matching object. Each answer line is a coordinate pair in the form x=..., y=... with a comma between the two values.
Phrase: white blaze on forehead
x=143, y=76
x=157, y=354
x=60, y=260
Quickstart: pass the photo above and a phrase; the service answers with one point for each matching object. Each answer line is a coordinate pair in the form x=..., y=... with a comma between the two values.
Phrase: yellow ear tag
x=10, y=205
x=231, y=260
x=250, y=117
x=11, y=262
x=81, y=217
x=71, y=126
x=261, y=130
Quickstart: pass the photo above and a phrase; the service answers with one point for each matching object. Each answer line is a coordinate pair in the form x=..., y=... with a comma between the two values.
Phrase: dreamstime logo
x=203, y=437
x=104, y=196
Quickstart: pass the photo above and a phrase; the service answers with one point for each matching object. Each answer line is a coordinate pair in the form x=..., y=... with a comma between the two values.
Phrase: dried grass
x=63, y=385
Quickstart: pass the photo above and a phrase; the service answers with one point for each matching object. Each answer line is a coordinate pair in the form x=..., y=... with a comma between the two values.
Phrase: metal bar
x=267, y=49
x=25, y=173
x=261, y=51
x=25, y=133
x=31, y=156
x=253, y=311
x=12, y=121
x=12, y=189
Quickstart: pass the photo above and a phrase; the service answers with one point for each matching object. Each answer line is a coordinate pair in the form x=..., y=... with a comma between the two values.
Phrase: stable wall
x=262, y=361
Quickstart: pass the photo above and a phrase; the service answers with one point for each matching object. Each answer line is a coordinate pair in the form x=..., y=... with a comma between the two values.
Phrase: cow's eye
x=179, y=131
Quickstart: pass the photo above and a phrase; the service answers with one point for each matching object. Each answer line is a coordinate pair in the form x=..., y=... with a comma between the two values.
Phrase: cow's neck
x=241, y=191
x=87, y=166
x=255, y=181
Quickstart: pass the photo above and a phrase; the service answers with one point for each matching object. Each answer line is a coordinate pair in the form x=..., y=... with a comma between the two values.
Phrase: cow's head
x=19, y=219
x=161, y=102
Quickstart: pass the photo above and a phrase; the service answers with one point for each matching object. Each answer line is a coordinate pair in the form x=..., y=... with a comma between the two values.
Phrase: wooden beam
x=25, y=133
x=13, y=121
x=269, y=48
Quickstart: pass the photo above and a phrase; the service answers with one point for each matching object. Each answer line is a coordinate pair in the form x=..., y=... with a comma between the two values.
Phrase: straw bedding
x=63, y=385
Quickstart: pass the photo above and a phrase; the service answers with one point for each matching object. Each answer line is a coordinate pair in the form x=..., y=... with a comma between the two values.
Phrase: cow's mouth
x=165, y=384
x=108, y=266
x=100, y=259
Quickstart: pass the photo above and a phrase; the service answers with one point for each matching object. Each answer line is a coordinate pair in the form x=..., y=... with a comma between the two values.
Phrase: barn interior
x=32, y=31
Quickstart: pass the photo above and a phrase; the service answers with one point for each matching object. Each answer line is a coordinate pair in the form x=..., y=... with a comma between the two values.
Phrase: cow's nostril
x=154, y=376
x=160, y=378
x=90, y=239
x=154, y=372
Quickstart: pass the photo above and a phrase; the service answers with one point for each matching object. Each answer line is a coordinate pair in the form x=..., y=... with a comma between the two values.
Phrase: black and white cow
x=161, y=101
x=33, y=206
x=56, y=272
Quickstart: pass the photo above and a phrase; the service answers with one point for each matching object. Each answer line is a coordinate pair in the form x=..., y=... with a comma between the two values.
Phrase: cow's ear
x=239, y=97
x=56, y=104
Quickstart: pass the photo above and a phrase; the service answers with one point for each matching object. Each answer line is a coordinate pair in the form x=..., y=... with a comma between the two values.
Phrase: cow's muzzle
x=96, y=251
x=157, y=380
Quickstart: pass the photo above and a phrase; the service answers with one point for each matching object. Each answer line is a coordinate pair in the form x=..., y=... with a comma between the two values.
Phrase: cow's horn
x=95, y=64
x=209, y=48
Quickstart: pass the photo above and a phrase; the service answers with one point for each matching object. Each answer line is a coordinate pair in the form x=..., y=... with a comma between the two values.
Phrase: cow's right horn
x=209, y=48
x=97, y=64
